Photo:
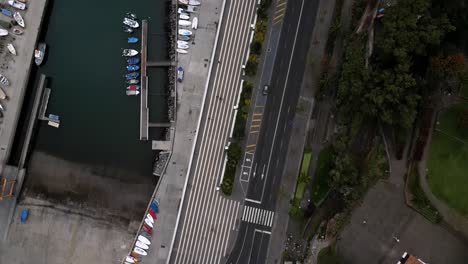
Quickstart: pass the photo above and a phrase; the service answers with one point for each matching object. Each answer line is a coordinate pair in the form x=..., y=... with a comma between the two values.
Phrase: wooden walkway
x=144, y=111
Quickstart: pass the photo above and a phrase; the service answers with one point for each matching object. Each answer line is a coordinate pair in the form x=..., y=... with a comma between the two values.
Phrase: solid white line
x=282, y=97
x=252, y=201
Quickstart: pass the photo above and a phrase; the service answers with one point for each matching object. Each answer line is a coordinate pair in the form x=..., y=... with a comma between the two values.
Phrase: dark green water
x=99, y=123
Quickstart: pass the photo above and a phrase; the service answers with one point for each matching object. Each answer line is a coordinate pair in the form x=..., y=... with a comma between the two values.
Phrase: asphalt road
x=207, y=217
x=271, y=147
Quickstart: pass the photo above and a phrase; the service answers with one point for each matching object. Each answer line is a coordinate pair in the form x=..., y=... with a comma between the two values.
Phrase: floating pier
x=144, y=111
x=160, y=64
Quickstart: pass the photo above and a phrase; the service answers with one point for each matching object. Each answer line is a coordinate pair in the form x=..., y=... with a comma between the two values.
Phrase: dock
x=144, y=111
x=160, y=64
x=43, y=107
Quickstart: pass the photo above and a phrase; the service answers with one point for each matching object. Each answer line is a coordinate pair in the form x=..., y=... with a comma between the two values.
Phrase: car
x=265, y=89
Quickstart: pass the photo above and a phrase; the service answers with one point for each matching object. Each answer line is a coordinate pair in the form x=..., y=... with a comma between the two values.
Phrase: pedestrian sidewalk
x=190, y=99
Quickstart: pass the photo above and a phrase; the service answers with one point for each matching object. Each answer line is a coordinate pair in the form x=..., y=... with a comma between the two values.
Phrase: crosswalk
x=258, y=216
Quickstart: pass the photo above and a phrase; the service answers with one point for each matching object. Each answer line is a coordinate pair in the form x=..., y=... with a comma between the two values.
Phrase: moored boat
x=184, y=38
x=130, y=92
x=2, y=109
x=129, y=52
x=4, y=80
x=3, y=95
x=132, y=75
x=180, y=74
x=133, y=81
x=17, y=5
x=185, y=23
x=39, y=53
x=182, y=46
x=18, y=31
x=181, y=51
x=133, y=87
x=53, y=124
x=132, y=40
x=194, y=2
x=133, y=68
x=131, y=23
x=183, y=2
x=195, y=23
x=19, y=19
x=181, y=42
x=3, y=32
x=11, y=48
x=127, y=29
x=133, y=61
x=184, y=16
x=131, y=16
x=185, y=32
x=7, y=12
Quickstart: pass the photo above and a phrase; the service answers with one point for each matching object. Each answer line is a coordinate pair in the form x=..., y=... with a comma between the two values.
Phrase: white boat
x=131, y=23
x=140, y=251
x=11, y=48
x=129, y=52
x=150, y=217
x=185, y=23
x=185, y=32
x=2, y=109
x=181, y=42
x=195, y=23
x=194, y=2
x=4, y=80
x=181, y=51
x=3, y=95
x=3, y=32
x=131, y=259
x=189, y=9
x=184, y=16
x=141, y=245
x=39, y=53
x=182, y=46
x=53, y=124
x=183, y=2
x=144, y=240
x=148, y=222
x=17, y=4
x=19, y=19
x=132, y=92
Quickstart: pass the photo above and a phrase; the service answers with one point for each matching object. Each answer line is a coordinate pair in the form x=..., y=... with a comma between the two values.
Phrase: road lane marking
x=252, y=201
x=257, y=216
x=280, y=10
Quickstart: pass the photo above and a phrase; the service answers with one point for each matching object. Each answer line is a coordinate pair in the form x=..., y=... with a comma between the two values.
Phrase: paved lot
x=56, y=235
x=388, y=219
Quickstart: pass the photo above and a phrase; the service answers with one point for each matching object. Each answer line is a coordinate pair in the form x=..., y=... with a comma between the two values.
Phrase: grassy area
x=328, y=256
x=420, y=201
x=448, y=167
x=320, y=185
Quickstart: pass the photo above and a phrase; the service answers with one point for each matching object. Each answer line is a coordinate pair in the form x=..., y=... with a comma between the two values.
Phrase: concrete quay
x=190, y=100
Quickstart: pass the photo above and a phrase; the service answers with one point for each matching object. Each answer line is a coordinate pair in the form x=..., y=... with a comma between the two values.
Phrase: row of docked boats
x=184, y=32
x=132, y=76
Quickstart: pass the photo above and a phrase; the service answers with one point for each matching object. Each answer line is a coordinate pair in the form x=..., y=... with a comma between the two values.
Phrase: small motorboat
x=139, y=251
x=129, y=52
x=3, y=32
x=7, y=12
x=144, y=240
x=3, y=95
x=195, y=23
x=132, y=75
x=39, y=53
x=127, y=29
x=129, y=92
x=185, y=32
x=194, y=2
x=181, y=42
x=133, y=61
x=133, y=81
x=131, y=16
x=141, y=245
x=185, y=23
x=180, y=74
x=132, y=40
x=18, y=31
x=133, y=87
x=19, y=19
x=133, y=68
x=4, y=80
x=189, y=9
x=184, y=16
x=181, y=51
x=17, y=5
x=182, y=46
x=131, y=23
x=11, y=48
x=184, y=38
x=183, y=2
x=2, y=109
x=53, y=124
x=131, y=259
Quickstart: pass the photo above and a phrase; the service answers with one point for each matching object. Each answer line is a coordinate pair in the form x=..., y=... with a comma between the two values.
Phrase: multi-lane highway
x=266, y=147
x=207, y=218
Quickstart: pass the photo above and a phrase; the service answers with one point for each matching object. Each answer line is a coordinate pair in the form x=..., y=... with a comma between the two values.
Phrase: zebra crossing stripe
x=258, y=216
